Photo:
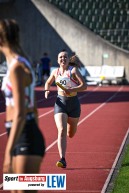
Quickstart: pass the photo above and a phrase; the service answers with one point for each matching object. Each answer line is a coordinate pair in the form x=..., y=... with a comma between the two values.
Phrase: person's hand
x=7, y=164
x=46, y=93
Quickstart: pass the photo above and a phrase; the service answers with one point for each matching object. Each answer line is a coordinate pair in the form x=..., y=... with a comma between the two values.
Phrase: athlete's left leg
x=72, y=126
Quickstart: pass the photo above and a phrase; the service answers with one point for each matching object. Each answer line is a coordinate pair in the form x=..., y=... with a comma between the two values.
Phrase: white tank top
x=66, y=79
x=29, y=90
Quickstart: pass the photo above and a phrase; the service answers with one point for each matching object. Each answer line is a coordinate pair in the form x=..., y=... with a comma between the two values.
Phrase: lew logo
x=56, y=182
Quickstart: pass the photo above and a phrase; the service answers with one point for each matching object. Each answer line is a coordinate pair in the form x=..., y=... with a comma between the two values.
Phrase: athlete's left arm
x=79, y=78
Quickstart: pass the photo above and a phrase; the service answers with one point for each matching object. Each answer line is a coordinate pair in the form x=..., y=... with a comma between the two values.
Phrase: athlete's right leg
x=61, y=123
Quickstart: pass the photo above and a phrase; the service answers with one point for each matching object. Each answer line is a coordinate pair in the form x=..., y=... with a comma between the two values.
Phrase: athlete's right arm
x=49, y=82
x=17, y=78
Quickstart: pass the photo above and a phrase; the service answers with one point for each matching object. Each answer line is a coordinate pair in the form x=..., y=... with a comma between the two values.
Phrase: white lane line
x=49, y=147
x=100, y=106
x=2, y=134
x=115, y=163
x=46, y=113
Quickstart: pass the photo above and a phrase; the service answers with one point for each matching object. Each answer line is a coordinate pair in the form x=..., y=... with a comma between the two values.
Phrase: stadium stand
x=99, y=75
x=108, y=19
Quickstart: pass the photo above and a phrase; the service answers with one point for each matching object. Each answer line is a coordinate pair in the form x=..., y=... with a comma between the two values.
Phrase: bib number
x=63, y=82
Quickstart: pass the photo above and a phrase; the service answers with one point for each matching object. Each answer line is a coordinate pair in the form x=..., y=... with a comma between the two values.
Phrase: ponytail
x=74, y=61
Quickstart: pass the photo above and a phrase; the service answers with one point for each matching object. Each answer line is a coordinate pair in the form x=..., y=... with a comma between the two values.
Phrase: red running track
x=93, y=152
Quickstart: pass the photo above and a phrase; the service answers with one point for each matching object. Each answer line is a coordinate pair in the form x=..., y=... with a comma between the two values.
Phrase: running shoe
x=61, y=163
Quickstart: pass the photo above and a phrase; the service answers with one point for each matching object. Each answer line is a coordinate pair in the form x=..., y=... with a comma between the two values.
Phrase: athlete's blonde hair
x=74, y=61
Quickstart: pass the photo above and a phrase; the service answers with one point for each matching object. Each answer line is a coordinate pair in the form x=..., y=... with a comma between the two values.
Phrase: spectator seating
x=107, y=18
x=98, y=75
